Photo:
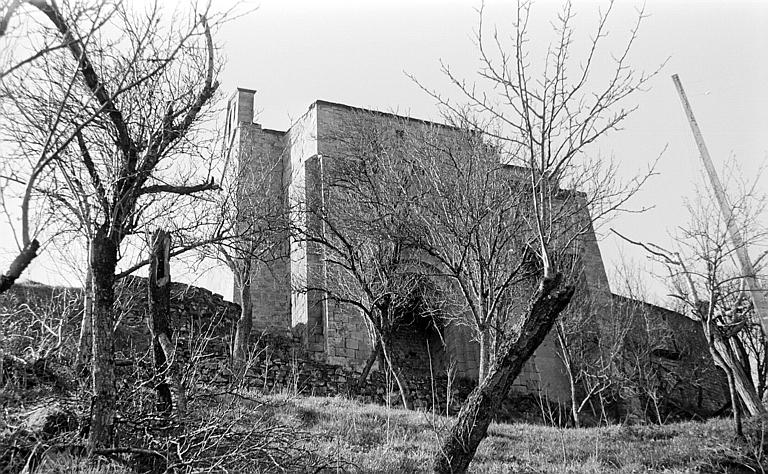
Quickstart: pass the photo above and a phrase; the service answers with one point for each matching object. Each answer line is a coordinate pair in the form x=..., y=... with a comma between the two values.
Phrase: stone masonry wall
x=461, y=351
x=686, y=376
x=281, y=366
x=338, y=334
x=270, y=282
x=347, y=337
x=203, y=323
x=301, y=142
x=317, y=323
x=259, y=154
x=410, y=349
x=197, y=315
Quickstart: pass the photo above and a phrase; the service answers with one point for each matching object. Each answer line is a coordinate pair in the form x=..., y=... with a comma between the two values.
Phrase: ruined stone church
x=337, y=334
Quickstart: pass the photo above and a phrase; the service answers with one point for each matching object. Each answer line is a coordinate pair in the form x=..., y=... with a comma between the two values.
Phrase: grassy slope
x=373, y=439
x=347, y=436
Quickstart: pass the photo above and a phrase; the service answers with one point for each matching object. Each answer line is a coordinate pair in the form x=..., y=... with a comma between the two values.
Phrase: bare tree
x=586, y=363
x=127, y=133
x=704, y=277
x=248, y=223
x=358, y=220
x=543, y=117
x=615, y=361
x=16, y=27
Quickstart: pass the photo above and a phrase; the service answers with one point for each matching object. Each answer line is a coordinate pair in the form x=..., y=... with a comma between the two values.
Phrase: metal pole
x=759, y=300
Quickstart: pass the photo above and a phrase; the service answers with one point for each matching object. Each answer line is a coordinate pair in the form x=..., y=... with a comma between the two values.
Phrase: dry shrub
x=37, y=322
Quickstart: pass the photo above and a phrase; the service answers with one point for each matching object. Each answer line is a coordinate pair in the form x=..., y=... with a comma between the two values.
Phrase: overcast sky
x=358, y=53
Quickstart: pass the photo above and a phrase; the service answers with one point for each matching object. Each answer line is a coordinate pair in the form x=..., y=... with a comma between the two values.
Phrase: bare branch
x=19, y=264
x=178, y=189
x=91, y=78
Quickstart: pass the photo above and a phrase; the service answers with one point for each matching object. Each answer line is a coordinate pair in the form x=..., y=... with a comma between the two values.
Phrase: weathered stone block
x=350, y=343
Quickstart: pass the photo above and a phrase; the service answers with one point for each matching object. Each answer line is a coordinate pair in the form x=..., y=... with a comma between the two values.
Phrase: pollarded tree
x=127, y=136
x=544, y=116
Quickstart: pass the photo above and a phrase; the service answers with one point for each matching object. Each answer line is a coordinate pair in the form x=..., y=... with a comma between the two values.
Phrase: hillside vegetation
x=341, y=435
x=246, y=431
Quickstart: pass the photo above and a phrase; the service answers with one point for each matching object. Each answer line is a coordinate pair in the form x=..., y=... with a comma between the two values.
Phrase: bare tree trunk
x=160, y=317
x=367, y=368
x=574, y=403
x=398, y=376
x=569, y=372
x=742, y=381
x=169, y=350
x=459, y=446
x=603, y=413
x=103, y=263
x=734, y=403
x=750, y=366
x=657, y=409
x=84, y=344
x=243, y=328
